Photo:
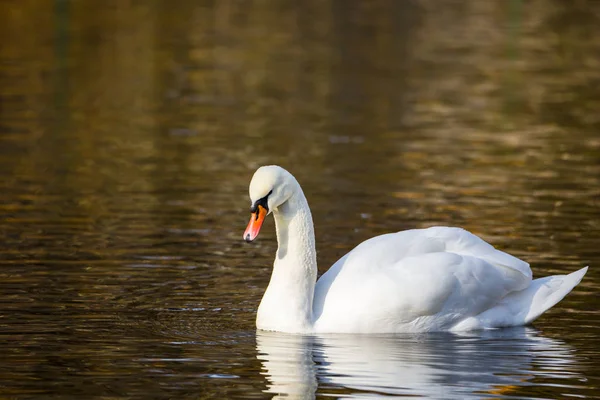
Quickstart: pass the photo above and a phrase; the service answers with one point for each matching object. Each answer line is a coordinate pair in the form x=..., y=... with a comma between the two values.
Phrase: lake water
x=129, y=132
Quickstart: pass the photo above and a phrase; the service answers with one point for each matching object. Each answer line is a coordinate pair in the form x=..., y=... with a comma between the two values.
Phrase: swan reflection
x=444, y=366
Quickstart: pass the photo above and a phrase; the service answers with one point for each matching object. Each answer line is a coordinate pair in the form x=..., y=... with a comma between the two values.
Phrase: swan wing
x=385, y=251
x=416, y=280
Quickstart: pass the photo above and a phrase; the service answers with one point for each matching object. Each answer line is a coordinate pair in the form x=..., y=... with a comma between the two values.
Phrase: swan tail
x=525, y=306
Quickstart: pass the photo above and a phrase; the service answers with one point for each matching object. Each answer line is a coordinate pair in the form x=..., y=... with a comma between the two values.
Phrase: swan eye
x=261, y=202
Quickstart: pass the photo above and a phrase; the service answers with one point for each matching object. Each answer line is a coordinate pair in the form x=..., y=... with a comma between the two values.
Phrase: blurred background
x=129, y=131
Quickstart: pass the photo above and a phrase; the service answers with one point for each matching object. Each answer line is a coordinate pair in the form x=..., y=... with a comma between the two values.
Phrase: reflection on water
x=129, y=131
x=441, y=366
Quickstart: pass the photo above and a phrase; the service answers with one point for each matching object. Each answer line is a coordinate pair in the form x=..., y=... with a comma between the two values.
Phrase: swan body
x=419, y=280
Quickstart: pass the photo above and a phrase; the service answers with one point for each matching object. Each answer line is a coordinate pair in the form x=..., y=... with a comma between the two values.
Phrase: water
x=128, y=135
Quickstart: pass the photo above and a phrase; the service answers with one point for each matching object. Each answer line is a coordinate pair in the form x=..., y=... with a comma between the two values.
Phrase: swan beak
x=256, y=220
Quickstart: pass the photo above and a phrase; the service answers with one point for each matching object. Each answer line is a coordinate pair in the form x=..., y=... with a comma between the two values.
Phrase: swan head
x=270, y=187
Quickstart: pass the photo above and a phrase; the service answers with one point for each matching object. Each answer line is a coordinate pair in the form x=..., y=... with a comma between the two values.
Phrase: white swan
x=420, y=280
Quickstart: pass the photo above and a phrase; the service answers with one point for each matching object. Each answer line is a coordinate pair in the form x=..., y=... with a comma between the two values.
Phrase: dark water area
x=129, y=131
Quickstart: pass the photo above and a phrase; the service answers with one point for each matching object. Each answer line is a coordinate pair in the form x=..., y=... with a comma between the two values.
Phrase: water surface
x=128, y=135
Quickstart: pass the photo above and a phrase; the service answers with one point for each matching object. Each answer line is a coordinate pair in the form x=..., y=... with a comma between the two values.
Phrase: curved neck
x=287, y=303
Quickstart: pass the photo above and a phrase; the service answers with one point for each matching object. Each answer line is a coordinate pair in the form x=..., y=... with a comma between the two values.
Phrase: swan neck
x=295, y=233
x=287, y=303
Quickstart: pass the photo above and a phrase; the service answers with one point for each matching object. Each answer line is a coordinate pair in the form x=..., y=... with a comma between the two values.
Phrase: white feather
x=433, y=279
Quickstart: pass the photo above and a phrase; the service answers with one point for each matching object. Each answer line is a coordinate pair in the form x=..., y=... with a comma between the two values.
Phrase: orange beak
x=256, y=221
